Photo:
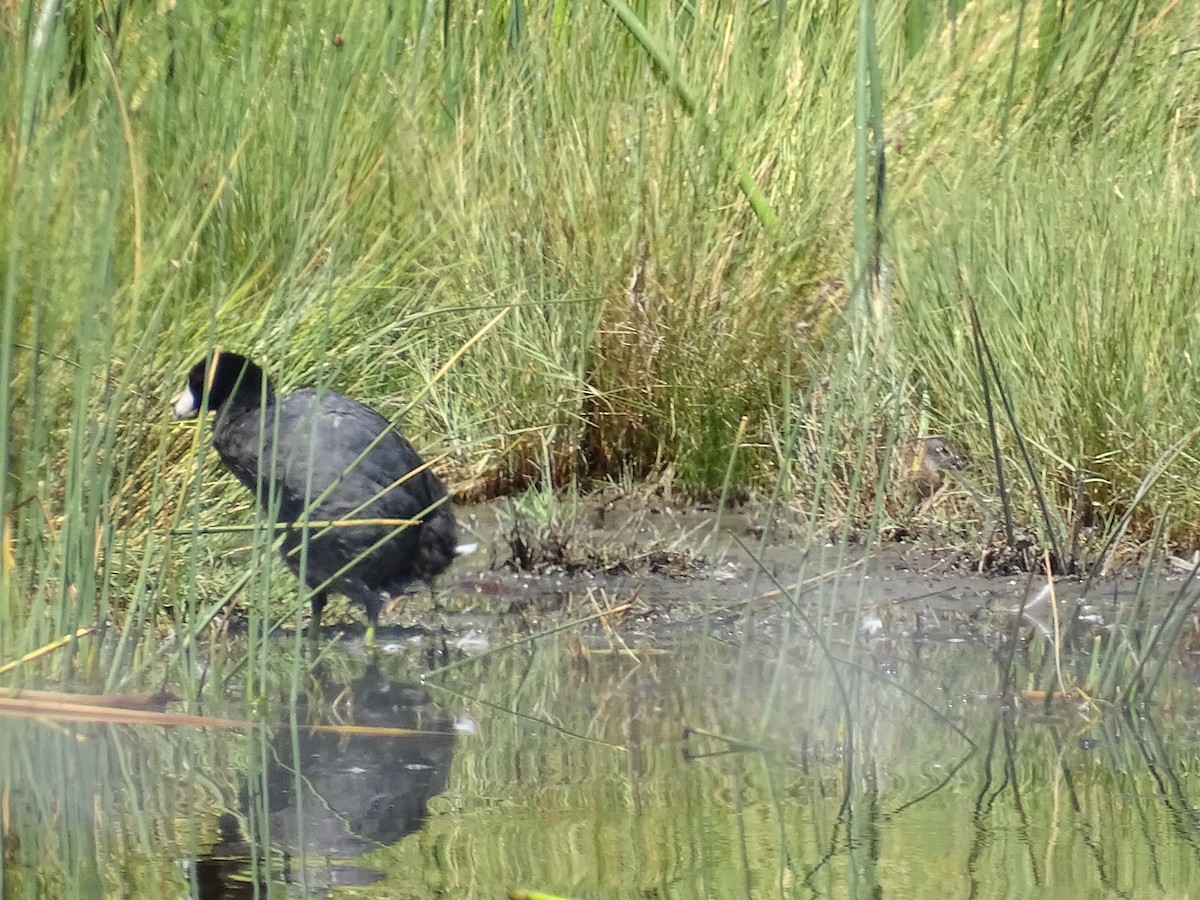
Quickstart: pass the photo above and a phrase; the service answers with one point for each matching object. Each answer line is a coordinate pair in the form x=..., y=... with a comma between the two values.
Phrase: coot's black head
x=227, y=377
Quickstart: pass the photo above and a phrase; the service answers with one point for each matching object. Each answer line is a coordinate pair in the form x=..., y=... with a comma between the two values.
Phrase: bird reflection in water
x=355, y=790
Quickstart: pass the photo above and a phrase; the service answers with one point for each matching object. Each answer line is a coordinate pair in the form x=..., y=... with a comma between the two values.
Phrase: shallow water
x=699, y=765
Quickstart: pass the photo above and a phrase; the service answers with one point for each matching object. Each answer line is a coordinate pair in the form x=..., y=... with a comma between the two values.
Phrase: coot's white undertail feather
x=337, y=459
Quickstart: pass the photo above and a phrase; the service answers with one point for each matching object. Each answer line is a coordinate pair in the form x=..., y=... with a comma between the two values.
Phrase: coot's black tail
x=437, y=540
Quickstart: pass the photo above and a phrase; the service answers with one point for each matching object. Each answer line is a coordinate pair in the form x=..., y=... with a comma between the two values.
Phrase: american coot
x=340, y=460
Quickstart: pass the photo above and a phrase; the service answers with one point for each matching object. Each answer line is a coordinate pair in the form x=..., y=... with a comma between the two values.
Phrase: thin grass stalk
x=819, y=490
x=1114, y=50
x=862, y=414
x=776, y=686
x=1052, y=533
x=728, y=480
x=792, y=597
x=135, y=175
x=1160, y=635
x=1156, y=470
x=1010, y=83
x=1057, y=642
x=869, y=171
x=466, y=697
x=186, y=643
x=566, y=626
x=1122, y=649
x=989, y=409
x=782, y=479
x=8, y=579
x=1167, y=634
x=749, y=187
x=1153, y=746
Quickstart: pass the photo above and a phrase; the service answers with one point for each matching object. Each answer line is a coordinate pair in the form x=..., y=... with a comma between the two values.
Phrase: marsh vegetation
x=837, y=275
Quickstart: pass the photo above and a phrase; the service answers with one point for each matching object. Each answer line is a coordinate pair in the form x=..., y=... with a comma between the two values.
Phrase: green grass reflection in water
x=575, y=780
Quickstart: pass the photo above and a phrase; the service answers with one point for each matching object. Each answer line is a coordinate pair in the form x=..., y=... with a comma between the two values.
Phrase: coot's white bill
x=186, y=405
x=466, y=549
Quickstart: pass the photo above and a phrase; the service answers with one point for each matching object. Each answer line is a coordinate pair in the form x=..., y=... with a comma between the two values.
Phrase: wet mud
x=674, y=570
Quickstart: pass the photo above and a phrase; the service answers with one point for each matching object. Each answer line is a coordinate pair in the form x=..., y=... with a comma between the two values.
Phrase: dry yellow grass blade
x=48, y=648
x=98, y=713
x=7, y=560
x=155, y=701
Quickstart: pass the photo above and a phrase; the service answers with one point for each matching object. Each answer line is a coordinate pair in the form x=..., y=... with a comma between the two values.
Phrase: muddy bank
x=690, y=567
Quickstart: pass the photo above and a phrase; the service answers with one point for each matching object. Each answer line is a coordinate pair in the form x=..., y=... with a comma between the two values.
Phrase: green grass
x=352, y=193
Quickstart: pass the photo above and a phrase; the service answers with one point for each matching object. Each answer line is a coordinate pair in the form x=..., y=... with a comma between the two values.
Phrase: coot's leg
x=319, y=600
x=374, y=605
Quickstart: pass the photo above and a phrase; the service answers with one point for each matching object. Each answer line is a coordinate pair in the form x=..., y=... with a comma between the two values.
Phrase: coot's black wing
x=341, y=459
x=333, y=458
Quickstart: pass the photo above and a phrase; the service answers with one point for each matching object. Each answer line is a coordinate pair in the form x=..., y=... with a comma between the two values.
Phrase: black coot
x=340, y=460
